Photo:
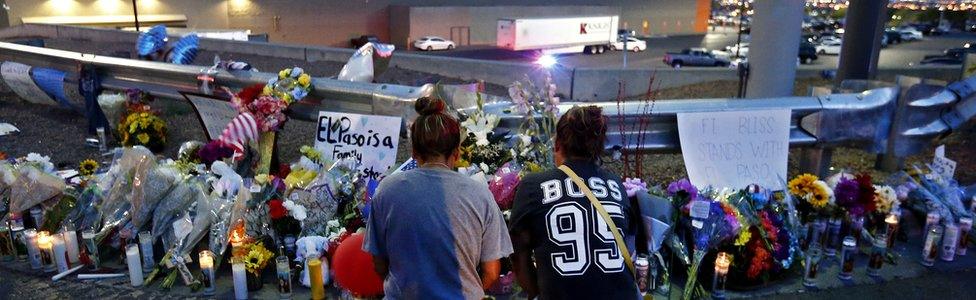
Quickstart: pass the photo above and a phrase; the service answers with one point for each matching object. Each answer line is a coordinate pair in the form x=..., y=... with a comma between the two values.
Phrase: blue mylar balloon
x=151, y=41
x=185, y=50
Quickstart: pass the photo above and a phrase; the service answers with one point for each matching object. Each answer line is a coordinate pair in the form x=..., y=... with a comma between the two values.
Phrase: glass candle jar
x=876, y=260
x=891, y=221
x=722, y=262
x=91, y=248
x=833, y=237
x=207, y=269
x=283, y=268
x=847, y=258
x=965, y=225
x=950, y=239
x=812, y=266
x=930, y=249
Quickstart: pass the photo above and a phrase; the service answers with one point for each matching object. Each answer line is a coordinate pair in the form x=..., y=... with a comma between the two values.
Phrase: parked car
x=942, y=60
x=959, y=52
x=694, y=57
x=829, y=48
x=431, y=43
x=894, y=37
x=807, y=53
x=909, y=33
x=362, y=40
x=741, y=48
x=633, y=44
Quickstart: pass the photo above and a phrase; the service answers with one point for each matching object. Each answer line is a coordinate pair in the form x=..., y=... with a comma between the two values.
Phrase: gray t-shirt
x=435, y=227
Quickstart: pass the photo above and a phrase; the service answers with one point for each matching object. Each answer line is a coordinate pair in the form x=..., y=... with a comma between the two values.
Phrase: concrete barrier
x=583, y=84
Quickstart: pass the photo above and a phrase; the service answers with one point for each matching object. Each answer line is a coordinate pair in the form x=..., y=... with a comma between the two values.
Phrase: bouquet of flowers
x=923, y=190
x=767, y=244
x=291, y=85
x=481, y=147
x=256, y=257
x=704, y=224
x=32, y=182
x=139, y=123
x=534, y=141
x=121, y=184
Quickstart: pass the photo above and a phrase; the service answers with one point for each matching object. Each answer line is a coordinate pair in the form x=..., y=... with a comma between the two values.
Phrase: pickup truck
x=694, y=57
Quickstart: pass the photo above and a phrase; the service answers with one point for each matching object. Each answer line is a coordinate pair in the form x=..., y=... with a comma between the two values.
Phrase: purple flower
x=846, y=193
x=214, y=151
x=684, y=188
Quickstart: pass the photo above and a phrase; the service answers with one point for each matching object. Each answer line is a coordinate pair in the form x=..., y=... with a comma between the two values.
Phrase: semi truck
x=591, y=35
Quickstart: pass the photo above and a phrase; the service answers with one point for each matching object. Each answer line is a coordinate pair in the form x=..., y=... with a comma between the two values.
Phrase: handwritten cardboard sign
x=17, y=76
x=371, y=140
x=214, y=113
x=736, y=148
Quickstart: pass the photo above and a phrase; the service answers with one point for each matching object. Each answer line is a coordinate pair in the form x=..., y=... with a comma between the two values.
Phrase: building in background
x=335, y=22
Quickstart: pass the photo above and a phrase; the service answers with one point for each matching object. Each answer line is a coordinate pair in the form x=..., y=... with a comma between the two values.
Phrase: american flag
x=408, y=165
x=239, y=131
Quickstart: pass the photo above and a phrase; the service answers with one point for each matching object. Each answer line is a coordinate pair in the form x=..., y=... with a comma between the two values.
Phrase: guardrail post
x=816, y=160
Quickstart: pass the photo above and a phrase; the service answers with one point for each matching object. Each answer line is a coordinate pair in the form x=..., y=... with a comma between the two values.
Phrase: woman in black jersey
x=563, y=248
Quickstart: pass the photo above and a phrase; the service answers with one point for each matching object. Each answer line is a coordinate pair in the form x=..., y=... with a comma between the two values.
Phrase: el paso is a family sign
x=371, y=140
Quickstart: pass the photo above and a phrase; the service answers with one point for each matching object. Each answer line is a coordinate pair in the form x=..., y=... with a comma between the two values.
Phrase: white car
x=633, y=44
x=829, y=47
x=910, y=34
x=742, y=49
x=431, y=43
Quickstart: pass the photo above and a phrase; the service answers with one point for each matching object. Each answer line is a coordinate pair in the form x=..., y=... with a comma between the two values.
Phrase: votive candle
x=315, y=278
x=876, y=261
x=146, y=248
x=33, y=251
x=284, y=276
x=38, y=215
x=833, y=237
x=133, y=260
x=949, y=242
x=207, y=268
x=812, y=266
x=60, y=253
x=930, y=249
x=45, y=244
x=240, y=280
x=847, y=258
x=70, y=236
x=722, y=262
x=892, y=222
x=91, y=248
x=965, y=225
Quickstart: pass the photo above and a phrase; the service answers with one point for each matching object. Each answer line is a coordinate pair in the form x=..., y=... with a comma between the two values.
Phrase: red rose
x=277, y=209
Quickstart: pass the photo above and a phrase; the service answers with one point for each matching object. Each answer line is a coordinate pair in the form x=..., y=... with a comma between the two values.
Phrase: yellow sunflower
x=820, y=194
x=87, y=167
x=257, y=258
x=801, y=185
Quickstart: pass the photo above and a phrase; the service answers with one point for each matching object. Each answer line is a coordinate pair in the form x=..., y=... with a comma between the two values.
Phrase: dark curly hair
x=581, y=132
x=434, y=132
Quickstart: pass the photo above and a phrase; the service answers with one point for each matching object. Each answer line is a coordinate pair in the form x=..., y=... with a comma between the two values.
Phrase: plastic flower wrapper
x=185, y=192
x=322, y=198
x=131, y=168
x=158, y=184
x=86, y=214
x=927, y=192
x=187, y=231
x=32, y=187
x=503, y=184
x=230, y=200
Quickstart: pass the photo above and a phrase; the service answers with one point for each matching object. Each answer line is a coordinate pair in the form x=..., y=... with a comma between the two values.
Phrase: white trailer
x=558, y=35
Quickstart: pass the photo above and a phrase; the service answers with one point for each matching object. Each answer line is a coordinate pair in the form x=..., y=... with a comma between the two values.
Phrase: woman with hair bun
x=564, y=247
x=431, y=228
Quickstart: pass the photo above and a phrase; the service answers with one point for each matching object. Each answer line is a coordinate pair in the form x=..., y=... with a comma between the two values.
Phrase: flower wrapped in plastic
x=147, y=196
x=86, y=214
x=121, y=186
x=768, y=244
x=230, y=200
x=321, y=199
x=925, y=190
x=185, y=192
x=34, y=183
x=503, y=184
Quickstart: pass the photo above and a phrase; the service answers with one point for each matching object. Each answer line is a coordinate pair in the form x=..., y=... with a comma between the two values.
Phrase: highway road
x=899, y=55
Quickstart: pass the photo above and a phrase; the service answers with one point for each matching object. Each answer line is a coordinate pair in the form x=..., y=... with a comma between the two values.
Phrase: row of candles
x=59, y=252
x=952, y=237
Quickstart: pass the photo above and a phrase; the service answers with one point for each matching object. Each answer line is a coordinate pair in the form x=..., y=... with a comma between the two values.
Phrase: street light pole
x=135, y=14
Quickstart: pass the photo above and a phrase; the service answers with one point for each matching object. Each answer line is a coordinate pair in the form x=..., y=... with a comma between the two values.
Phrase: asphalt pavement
x=900, y=55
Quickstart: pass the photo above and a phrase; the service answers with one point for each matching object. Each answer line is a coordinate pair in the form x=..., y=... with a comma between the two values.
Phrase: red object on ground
x=354, y=268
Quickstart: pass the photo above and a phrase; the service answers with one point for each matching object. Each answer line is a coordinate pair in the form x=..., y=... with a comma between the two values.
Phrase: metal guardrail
x=864, y=120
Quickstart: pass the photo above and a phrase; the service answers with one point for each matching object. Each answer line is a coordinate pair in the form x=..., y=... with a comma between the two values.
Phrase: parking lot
x=898, y=55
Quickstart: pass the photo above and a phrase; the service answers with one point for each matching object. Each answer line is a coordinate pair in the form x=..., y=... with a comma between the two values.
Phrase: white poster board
x=17, y=76
x=371, y=140
x=736, y=148
x=214, y=113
